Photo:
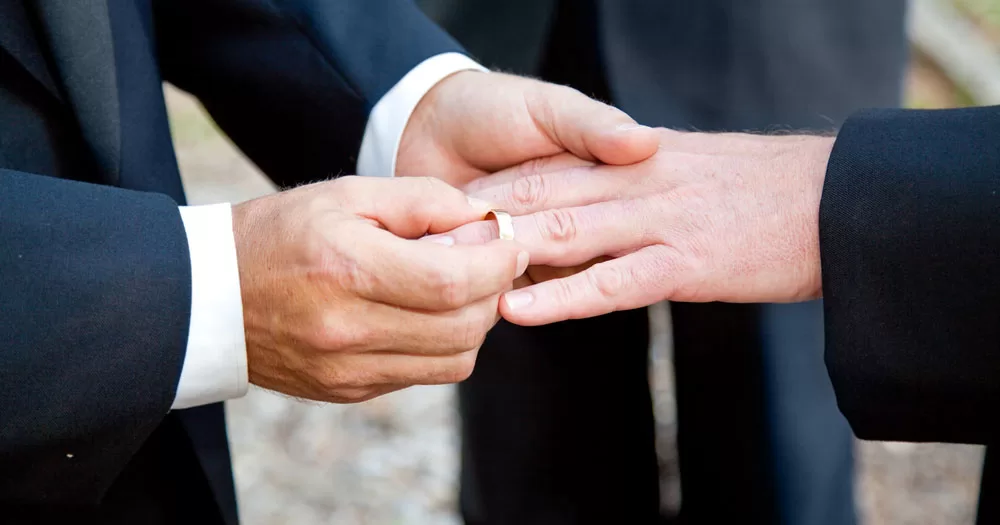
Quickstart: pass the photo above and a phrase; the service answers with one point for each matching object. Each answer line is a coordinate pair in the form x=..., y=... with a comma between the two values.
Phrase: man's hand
x=472, y=124
x=723, y=217
x=341, y=303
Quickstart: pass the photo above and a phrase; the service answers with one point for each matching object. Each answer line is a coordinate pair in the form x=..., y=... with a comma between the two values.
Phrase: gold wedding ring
x=504, y=223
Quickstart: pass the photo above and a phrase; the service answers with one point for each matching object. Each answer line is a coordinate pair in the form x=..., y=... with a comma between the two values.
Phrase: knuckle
x=322, y=335
x=317, y=246
x=527, y=191
x=420, y=191
x=462, y=368
x=452, y=287
x=472, y=334
x=557, y=225
x=350, y=396
x=352, y=276
x=337, y=334
x=607, y=281
x=466, y=366
x=533, y=166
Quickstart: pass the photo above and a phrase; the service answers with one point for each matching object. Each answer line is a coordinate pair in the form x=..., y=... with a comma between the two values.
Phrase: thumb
x=590, y=129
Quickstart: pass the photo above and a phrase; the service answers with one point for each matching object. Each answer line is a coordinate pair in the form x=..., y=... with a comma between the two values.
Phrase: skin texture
x=709, y=217
x=343, y=303
x=340, y=302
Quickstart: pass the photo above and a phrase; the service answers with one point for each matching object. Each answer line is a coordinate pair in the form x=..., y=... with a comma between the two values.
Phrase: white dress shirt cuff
x=390, y=115
x=215, y=365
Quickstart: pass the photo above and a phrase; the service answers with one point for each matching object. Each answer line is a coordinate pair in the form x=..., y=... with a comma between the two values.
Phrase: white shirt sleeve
x=388, y=119
x=215, y=365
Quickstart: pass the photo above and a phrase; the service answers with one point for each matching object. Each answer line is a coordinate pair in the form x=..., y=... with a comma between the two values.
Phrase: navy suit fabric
x=909, y=242
x=95, y=277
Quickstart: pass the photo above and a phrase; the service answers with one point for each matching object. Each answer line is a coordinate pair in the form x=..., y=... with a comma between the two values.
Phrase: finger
x=411, y=206
x=427, y=275
x=540, y=274
x=396, y=370
x=538, y=166
x=590, y=129
x=378, y=327
x=432, y=370
x=577, y=186
x=523, y=281
x=363, y=394
x=570, y=236
x=633, y=281
x=480, y=232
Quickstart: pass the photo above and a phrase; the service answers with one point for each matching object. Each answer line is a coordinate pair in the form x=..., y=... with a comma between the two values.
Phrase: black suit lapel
x=17, y=37
x=79, y=36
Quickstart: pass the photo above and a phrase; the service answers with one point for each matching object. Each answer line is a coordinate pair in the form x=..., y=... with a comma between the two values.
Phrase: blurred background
x=395, y=460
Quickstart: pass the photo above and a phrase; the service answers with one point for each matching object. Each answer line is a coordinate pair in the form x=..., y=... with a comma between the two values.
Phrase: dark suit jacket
x=713, y=64
x=910, y=242
x=94, y=269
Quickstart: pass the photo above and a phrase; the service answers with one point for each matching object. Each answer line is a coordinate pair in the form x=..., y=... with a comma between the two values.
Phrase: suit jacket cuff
x=908, y=241
x=389, y=116
x=215, y=364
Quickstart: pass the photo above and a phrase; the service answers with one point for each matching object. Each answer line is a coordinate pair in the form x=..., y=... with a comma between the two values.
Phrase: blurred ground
x=394, y=460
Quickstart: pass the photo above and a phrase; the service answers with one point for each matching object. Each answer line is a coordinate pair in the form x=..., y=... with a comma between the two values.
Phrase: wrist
x=243, y=220
x=815, y=158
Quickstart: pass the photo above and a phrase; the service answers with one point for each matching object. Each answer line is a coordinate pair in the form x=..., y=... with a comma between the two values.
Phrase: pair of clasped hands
x=360, y=286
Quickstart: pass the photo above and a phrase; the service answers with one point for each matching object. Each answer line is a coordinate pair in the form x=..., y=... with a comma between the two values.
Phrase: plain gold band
x=504, y=223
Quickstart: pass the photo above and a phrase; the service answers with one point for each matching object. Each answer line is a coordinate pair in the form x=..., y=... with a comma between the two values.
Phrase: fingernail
x=519, y=299
x=480, y=204
x=522, y=263
x=442, y=239
x=632, y=126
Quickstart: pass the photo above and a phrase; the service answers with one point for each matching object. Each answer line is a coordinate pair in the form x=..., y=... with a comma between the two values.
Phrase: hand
x=710, y=217
x=472, y=124
x=341, y=304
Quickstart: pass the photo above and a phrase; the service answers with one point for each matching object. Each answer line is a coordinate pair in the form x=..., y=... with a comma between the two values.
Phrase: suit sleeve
x=94, y=309
x=292, y=82
x=910, y=246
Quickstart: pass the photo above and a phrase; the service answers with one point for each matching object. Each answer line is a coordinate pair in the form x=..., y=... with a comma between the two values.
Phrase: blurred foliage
x=927, y=85
x=987, y=11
